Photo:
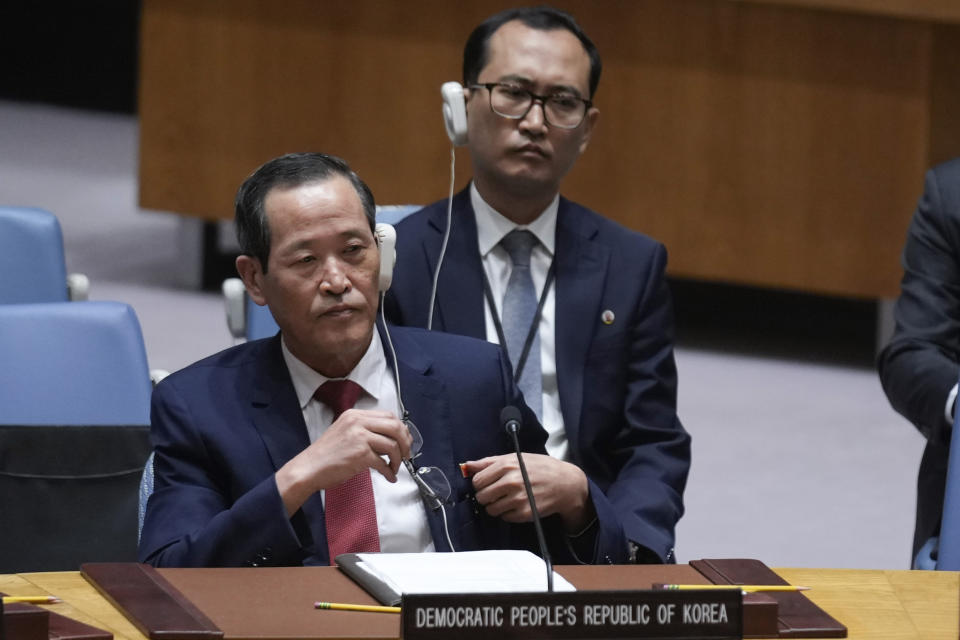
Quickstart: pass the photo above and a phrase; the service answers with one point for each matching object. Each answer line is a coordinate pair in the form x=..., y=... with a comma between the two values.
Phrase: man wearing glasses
x=335, y=435
x=580, y=303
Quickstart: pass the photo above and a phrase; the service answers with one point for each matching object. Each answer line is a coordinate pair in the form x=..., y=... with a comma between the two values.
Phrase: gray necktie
x=519, y=311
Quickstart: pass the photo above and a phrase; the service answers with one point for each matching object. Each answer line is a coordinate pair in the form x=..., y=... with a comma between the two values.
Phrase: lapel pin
x=608, y=317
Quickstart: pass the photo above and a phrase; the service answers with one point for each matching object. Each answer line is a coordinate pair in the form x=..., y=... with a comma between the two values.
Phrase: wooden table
x=899, y=605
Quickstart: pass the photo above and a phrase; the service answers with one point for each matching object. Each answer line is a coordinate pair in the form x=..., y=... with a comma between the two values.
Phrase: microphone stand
x=510, y=416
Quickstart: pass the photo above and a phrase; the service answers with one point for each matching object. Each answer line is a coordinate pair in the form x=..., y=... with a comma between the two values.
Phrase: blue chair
x=32, y=261
x=247, y=320
x=948, y=555
x=81, y=363
x=394, y=213
x=942, y=552
x=74, y=433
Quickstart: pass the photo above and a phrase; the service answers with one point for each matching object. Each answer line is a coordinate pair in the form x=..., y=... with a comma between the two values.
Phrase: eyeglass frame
x=425, y=489
x=534, y=98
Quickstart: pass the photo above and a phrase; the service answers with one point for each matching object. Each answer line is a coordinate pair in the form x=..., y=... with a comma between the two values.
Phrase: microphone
x=512, y=420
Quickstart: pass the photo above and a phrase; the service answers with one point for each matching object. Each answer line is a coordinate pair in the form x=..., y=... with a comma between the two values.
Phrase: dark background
x=72, y=53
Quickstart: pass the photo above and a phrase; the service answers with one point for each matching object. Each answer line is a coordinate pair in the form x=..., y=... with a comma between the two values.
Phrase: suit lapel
x=581, y=275
x=276, y=410
x=279, y=420
x=424, y=400
x=460, y=289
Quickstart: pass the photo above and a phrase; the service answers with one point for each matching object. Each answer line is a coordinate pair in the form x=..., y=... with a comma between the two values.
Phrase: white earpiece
x=454, y=112
x=387, y=241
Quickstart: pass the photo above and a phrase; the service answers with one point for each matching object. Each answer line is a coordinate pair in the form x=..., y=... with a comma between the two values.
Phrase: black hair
x=476, y=51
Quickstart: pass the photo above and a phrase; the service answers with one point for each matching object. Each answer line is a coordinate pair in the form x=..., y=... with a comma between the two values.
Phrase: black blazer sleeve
x=919, y=365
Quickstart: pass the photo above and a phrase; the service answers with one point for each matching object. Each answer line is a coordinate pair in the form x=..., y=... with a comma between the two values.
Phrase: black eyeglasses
x=431, y=481
x=562, y=109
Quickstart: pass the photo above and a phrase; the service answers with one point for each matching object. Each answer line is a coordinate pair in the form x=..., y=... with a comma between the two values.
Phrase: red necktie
x=350, y=511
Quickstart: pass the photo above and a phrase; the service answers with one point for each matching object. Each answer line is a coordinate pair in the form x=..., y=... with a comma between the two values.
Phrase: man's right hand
x=356, y=441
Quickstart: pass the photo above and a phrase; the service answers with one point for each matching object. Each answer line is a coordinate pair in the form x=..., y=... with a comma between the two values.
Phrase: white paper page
x=462, y=572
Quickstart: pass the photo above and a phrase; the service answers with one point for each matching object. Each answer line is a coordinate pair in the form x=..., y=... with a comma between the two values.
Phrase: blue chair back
x=260, y=322
x=73, y=363
x=31, y=257
x=394, y=213
x=74, y=414
x=948, y=558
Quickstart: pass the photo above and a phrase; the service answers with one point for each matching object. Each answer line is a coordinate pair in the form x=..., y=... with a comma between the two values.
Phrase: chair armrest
x=78, y=287
x=234, y=300
x=156, y=375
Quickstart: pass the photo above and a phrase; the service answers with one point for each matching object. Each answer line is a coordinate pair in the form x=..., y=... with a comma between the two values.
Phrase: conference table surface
x=872, y=603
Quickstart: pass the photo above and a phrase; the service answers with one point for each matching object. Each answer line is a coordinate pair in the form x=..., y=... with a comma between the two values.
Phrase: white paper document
x=462, y=572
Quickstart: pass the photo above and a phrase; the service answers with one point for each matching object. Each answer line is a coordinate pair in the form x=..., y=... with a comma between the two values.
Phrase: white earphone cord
x=446, y=237
x=403, y=409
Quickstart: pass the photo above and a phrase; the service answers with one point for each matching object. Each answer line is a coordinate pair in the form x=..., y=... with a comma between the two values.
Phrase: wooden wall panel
x=936, y=10
x=764, y=145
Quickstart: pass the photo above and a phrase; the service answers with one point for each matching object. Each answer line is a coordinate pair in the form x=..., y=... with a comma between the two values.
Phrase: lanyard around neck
x=534, y=326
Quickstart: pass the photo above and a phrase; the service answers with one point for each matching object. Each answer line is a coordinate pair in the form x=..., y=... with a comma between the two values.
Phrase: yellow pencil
x=355, y=607
x=31, y=599
x=741, y=587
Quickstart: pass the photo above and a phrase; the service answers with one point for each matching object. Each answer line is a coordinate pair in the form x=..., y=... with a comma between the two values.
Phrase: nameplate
x=576, y=614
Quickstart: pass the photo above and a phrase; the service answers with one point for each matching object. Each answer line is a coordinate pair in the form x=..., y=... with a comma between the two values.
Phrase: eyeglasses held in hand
x=431, y=481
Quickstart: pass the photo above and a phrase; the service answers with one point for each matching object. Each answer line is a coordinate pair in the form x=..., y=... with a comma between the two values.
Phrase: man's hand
x=353, y=443
x=558, y=487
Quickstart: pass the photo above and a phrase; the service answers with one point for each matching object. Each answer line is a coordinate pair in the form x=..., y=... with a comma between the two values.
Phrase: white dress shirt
x=491, y=228
x=401, y=514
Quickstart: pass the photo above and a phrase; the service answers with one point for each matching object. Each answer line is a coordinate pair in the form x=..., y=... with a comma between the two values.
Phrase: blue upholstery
x=394, y=213
x=948, y=557
x=31, y=257
x=77, y=363
x=74, y=414
x=260, y=322
x=943, y=552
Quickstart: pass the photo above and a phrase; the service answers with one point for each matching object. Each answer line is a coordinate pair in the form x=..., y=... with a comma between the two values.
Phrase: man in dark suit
x=293, y=449
x=597, y=355
x=919, y=367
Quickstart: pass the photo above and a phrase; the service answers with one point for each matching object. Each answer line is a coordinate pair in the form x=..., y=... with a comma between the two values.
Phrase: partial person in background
x=919, y=367
x=579, y=302
x=295, y=448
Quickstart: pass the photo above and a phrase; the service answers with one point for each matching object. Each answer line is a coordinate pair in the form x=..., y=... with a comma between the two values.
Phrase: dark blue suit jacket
x=617, y=382
x=922, y=361
x=222, y=427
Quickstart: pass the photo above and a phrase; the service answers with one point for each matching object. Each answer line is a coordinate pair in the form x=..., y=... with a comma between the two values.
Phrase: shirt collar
x=368, y=373
x=493, y=226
